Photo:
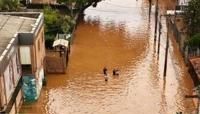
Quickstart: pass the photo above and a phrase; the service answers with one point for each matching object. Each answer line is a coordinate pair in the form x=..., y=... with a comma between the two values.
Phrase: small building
x=57, y=59
x=22, y=53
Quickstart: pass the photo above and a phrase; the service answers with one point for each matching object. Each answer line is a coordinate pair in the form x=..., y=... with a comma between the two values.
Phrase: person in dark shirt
x=115, y=72
x=105, y=71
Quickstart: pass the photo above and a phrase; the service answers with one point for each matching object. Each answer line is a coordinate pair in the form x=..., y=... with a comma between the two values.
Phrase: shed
x=57, y=58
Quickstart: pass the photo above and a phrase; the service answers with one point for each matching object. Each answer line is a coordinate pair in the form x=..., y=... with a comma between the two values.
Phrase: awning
x=61, y=42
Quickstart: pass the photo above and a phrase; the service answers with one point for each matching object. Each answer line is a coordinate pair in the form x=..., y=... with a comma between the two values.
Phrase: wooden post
x=160, y=28
x=156, y=19
x=166, y=50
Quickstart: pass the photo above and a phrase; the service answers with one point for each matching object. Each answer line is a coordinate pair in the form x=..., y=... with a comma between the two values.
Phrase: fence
x=56, y=61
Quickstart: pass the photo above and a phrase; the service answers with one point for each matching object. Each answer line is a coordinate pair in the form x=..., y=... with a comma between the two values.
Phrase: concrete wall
x=39, y=51
x=11, y=77
x=44, y=1
x=9, y=81
x=39, y=58
x=3, y=101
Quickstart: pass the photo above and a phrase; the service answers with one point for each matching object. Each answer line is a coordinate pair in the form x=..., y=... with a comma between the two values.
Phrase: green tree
x=192, y=16
x=68, y=23
x=194, y=41
x=52, y=25
x=9, y=5
x=81, y=3
x=70, y=3
x=56, y=22
x=52, y=20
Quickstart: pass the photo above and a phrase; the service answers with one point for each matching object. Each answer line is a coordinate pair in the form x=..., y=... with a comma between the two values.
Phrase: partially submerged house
x=22, y=53
x=57, y=59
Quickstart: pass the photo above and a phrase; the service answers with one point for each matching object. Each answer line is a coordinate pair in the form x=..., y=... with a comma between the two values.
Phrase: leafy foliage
x=9, y=5
x=56, y=23
x=52, y=20
x=67, y=24
x=192, y=16
x=194, y=41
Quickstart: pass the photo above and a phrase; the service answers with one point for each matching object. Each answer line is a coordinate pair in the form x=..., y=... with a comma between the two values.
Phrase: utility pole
x=150, y=2
x=167, y=48
x=160, y=28
x=156, y=19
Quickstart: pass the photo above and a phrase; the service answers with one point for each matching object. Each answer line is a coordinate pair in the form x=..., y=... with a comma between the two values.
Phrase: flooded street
x=117, y=34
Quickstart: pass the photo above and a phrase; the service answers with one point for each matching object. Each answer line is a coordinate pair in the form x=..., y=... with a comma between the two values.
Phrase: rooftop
x=10, y=25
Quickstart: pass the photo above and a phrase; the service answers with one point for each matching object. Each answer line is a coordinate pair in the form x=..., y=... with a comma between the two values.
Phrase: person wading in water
x=115, y=72
x=105, y=73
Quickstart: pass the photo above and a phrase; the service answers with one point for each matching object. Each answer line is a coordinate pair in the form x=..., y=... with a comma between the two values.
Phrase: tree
x=81, y=3
x=194, y=41
x=55, y=23
x=68, y=23
x=52, y=25
x=192, y=16
x=9, y=5
x=69, y=3
x=52, y=20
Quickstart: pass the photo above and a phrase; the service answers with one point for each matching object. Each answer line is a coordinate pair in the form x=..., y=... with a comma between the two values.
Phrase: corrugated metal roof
x=10, y=25
x=61, y=42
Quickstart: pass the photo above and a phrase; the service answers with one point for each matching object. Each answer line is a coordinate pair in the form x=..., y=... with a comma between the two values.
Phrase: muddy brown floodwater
x=117, y=34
